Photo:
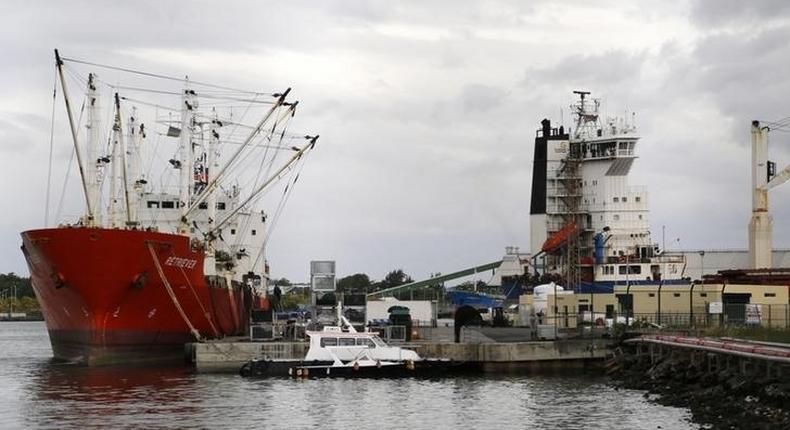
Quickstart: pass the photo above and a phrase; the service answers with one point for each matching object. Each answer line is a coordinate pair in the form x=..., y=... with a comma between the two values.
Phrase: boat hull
x=427, y=368
x=123, y=296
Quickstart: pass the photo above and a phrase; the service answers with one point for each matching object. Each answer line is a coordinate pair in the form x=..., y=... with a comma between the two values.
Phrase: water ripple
x=38, y=393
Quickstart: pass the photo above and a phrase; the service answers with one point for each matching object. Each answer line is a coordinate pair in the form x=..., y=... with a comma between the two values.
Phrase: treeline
x=25, y=298
x=360, y=283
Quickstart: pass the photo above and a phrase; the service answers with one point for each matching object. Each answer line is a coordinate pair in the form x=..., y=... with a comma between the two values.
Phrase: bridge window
x=253, y=232
x=651, y=294
x=616, y=199
x=153, y=204
x=638, y=199
x=328, y=341
x=168, y=204
x=203, y=205
x=625, y=199
x=361, y=341
x=233, y=231
x=221, y=206
x=769, y=294
x=346, y=341
x=676, y=294
x=635, y=270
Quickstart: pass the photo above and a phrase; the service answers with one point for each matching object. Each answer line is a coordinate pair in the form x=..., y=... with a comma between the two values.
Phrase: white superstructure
x=586, y=184
x=199, y=171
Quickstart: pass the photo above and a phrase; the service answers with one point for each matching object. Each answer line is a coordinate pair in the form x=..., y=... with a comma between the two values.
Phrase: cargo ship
x=146, y=269
x=588, y=224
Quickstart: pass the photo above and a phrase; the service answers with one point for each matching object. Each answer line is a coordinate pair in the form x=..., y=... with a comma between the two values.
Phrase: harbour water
x=37, y=393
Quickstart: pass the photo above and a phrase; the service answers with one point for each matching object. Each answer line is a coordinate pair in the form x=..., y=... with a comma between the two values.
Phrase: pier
x=229, y=356
x=715, y=355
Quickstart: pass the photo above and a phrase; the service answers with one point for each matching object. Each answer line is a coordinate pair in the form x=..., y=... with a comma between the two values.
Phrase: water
x=36, y=393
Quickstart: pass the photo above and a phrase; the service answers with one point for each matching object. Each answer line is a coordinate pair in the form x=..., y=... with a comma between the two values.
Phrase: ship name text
x=184, y=263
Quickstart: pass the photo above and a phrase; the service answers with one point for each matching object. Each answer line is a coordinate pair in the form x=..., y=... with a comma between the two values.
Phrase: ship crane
x=764, y=178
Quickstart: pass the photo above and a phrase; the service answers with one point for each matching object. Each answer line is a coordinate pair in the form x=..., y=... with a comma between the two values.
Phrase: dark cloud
x=609, y=69
x=715, y=13
x=478, y=97
x=425, y=110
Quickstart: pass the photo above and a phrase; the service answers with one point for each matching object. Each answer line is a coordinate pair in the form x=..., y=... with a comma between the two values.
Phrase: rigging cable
x=51, y=146
x=265, y=174
x=158, y=76
x=286, y=195
x=68, y=168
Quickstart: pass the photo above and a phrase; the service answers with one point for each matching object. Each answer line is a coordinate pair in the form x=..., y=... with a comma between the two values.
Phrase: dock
x=491, y=357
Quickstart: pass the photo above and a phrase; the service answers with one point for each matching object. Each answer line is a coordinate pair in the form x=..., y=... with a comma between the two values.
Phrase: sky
x=427, y=111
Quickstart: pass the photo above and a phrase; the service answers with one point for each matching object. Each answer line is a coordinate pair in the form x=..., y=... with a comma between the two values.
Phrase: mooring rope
x=173, y=295
x=205, y=312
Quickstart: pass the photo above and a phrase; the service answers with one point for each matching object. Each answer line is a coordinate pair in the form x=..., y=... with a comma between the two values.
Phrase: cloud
x=717, y=13
x=426, y=110
x=482, y=98
x=605, y=70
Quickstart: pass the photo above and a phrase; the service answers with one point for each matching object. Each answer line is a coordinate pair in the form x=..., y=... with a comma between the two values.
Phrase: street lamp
x=702, y=265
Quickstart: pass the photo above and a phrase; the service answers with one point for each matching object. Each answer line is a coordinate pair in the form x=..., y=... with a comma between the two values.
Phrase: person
x=277, y=296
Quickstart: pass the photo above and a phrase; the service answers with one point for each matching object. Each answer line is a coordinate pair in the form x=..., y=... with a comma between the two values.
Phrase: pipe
x=691, y=304
x=660, y=285
x=785, y=360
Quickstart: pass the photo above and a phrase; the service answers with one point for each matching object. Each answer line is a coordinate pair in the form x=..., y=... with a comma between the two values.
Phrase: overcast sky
x=427, y=111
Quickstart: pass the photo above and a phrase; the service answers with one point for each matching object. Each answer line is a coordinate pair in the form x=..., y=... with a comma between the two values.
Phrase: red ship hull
x=122, y=296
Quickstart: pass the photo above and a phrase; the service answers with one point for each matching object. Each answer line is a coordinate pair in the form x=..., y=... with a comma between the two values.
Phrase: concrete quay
x=229, y=356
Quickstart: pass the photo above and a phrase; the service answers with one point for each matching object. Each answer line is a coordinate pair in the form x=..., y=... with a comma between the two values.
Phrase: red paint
x=101, y=294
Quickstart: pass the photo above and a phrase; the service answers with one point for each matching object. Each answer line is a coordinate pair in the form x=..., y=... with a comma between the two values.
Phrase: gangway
x=435, y=280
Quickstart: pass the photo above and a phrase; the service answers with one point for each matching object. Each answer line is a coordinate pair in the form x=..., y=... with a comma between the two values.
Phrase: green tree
x=23, y=287
x=358, y=282
x=394, y=278
x=282, y=282
x=293, y=299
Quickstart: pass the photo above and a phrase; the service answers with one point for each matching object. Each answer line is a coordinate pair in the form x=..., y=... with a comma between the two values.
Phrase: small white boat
x=338, y=352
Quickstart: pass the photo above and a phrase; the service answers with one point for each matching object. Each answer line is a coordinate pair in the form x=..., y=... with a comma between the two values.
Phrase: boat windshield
x=363, y=341
x=380, y=343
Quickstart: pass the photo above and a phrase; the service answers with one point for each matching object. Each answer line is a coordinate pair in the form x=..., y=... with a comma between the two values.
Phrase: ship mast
x=214, y=183
x=186, y=155
x=115, y=166
x=88, y=204
x=209, y=266
x=134, y=139
x=124, y=163
x=93, y=145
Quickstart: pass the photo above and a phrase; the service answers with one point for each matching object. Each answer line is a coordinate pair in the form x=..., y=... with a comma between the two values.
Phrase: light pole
x=702, y=266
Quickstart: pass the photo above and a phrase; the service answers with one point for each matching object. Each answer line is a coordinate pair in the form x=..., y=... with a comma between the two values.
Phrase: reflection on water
x=37, y=393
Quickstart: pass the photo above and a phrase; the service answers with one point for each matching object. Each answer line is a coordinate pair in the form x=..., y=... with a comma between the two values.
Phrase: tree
x=394, y=278
x=282, y=282
x=358, y=282
x=23, y=287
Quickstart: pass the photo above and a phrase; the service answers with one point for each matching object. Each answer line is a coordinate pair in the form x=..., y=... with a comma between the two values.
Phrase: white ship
x=587, y=222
